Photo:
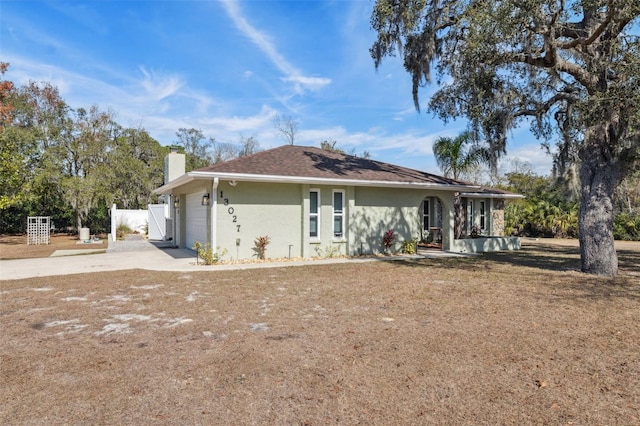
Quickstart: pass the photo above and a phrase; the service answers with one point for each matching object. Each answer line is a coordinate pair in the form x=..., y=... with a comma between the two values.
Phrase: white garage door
x=196, y=220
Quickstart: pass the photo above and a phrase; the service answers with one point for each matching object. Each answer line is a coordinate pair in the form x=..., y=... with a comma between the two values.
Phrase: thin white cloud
x=240, y=124
x=400, y=115
x=160, y=86
x=411, y=142
x=311, y=83
x=153, y=94
x=260, y=39
x=532, y=153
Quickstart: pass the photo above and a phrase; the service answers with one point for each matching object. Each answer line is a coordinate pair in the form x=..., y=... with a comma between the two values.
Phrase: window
x=338, y=214
x=426, y=210
x=314, y=213
x=471, y=211
x=482, y=216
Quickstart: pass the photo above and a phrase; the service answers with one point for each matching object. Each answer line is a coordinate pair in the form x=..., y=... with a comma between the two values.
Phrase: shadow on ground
x=541, y=256
x=173, y=251
x=550, y=260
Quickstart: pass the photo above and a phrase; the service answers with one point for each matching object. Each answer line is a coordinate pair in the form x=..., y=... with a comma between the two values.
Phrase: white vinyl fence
x=158, y=227
x=151, y=221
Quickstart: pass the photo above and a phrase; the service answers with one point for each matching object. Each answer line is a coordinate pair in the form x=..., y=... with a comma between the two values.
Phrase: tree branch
x=546, y=106
x=596, y=33
x=588, y=80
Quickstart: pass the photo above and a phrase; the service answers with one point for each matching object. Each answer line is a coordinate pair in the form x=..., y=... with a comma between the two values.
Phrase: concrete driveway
x=153, y=256
x=120, y=255
x=123, y=255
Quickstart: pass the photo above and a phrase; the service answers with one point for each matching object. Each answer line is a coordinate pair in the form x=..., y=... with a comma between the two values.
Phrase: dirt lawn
x=507, y=338
x=16, y=247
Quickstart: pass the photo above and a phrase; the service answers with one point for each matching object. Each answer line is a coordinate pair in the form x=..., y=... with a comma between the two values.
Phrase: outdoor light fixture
x=205, y=199
x=176, y=202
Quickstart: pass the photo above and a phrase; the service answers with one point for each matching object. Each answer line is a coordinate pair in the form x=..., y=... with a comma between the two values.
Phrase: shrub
x=329, y=251
x=626, y=227
x=122, y=230
x=388, y=239
x=410, y=246
x=476, y=232
x=260, y=246
x=206, y=253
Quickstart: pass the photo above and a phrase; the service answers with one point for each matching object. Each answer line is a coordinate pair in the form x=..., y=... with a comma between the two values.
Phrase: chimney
x=174, y=165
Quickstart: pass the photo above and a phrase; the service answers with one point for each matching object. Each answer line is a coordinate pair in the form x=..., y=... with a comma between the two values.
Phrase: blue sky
x=228, y=68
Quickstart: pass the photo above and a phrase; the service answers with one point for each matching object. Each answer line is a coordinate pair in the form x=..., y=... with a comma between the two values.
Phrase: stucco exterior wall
x=251, y=210
x=485, y=244
x=242, y=212
x=281, y=211
x=376, y=210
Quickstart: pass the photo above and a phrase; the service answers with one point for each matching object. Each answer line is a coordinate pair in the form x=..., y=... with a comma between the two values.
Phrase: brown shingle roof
x=310, y=162
x=492, y=192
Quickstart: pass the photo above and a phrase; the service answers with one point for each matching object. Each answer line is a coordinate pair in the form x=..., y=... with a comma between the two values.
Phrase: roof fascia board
x=167, y=188
x=241, y=177
x=482, y=195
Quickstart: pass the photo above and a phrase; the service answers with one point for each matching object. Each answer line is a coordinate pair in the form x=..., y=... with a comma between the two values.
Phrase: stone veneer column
x=497, y=218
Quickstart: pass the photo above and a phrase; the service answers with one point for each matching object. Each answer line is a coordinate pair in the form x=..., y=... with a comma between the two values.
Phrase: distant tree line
x=73, y=164
x=548, y=210
x=551, y=203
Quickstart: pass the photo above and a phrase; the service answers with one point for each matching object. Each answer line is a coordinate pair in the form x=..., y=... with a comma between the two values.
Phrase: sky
x=229, y=68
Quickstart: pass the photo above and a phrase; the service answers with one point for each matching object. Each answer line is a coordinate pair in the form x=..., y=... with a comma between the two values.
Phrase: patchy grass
x=507, y=338
x=16, y=247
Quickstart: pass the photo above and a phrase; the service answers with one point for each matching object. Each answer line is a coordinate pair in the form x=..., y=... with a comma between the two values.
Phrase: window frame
x=316, y=214
x=483, y=215
x=471, y=215
x=340, y=214
x=426, y=214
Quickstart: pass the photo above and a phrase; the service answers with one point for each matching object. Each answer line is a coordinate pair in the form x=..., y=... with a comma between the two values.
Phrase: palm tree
x=454, y=157
x=457, y=155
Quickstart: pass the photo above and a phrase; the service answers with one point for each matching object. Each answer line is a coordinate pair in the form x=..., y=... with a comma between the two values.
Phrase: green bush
x=410, y=246
x=329, y=251
x=206, y=253
x=626, y=226
x=122, y=230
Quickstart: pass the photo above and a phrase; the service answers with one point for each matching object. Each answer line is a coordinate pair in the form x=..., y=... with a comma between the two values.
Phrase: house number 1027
x=230, y=210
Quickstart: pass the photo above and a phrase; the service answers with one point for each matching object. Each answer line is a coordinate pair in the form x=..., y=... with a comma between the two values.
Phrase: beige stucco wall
x=281, y=211
x=485, y=244
x=376, y=210
x=240, y=214
x=251, y=210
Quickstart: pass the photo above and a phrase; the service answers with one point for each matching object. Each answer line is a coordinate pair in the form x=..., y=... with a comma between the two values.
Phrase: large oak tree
x=571, y=67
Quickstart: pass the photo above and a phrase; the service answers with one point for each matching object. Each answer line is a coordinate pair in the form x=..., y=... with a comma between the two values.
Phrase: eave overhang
x=490, y=195
x=169, y=188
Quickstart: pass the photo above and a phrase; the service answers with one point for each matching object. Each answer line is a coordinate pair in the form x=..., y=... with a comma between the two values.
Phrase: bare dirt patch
x=507, y=338
x=16, y=247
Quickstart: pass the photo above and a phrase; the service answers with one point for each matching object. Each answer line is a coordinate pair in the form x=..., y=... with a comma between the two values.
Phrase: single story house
x=312, y=202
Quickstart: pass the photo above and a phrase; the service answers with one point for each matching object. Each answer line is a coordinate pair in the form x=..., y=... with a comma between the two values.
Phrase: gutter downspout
x=214, y=213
